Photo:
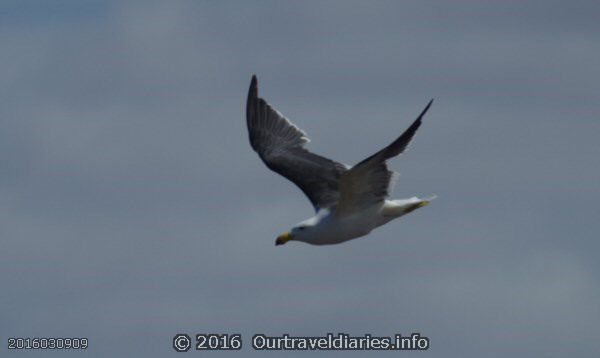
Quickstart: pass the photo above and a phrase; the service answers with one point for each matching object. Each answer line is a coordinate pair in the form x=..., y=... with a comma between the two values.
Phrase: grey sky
x=132, y=207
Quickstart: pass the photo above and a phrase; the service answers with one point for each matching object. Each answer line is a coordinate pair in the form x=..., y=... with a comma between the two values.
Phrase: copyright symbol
x=182, y=342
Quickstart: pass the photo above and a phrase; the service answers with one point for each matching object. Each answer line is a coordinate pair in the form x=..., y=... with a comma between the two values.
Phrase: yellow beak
x=283, y=238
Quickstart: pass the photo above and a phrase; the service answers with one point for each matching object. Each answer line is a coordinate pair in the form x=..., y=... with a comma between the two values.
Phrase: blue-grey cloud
x=133, y=208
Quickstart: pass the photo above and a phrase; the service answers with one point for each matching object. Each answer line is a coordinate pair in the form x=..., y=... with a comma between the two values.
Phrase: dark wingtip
x=425, y=109
x=253, y=90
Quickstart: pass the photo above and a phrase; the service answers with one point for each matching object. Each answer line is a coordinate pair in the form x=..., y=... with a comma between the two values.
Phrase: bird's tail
x=429, y=198
x=401, y=207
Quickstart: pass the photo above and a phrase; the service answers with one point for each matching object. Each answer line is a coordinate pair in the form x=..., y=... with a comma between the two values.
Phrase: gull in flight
x=349, y=202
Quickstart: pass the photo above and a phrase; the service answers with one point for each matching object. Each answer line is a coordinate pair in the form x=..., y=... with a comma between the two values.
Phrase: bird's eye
x=301, y=228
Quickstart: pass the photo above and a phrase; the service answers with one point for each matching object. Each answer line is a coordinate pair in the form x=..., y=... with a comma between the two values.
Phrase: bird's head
x=298, y=232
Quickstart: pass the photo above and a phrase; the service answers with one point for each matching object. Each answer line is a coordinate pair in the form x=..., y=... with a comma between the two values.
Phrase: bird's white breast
x=332, y=229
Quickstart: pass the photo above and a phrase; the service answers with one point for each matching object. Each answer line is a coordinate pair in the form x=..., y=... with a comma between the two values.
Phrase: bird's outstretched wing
x=280, y=144
x=369, y=182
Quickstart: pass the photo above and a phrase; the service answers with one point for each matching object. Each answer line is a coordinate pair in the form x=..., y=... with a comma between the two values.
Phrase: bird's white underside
x=328, y=228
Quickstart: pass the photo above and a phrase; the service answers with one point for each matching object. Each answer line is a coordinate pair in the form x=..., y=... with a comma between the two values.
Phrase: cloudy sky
x=132, y=207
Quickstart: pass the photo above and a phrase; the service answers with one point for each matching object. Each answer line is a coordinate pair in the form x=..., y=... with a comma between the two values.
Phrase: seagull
x=349, y=202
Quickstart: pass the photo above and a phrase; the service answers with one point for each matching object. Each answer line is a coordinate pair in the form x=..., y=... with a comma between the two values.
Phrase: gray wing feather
x=280, y=144
x=370, y=182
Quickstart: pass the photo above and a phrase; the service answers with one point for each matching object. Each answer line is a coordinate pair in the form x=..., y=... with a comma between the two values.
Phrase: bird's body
x=328, y=228
x=349, y=201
